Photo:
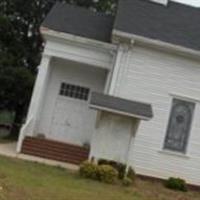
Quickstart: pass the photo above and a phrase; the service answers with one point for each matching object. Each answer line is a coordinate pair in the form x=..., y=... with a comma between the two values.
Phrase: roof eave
x=118, y=36
x=49, y=33
x=100, y=108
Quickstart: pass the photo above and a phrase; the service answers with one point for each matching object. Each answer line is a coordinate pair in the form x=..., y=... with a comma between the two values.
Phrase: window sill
x=173, y=153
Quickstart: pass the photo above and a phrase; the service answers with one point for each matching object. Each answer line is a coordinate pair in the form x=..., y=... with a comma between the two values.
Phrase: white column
x=108, y=81
x=122, y=54
x=115, y=71
x=39, y=91
x=36, y=104
x=134, y=129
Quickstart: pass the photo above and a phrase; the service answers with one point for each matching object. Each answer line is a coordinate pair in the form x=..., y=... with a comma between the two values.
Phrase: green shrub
x=88, y=170
x=131, y=174
x=103, y=173
x=176, y=184
x=127, y=181
x=107, y=174
x=120, y=167
x=6, y=117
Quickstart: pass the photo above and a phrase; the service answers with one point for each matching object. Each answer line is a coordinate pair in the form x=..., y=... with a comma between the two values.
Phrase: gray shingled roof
x=121, y=106
x=176, y=23
x=79, y=21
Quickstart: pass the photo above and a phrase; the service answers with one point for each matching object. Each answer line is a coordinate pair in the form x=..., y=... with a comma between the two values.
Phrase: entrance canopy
x=121, y=106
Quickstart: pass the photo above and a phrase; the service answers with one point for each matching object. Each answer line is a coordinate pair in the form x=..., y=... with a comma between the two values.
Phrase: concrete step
x=54, y=150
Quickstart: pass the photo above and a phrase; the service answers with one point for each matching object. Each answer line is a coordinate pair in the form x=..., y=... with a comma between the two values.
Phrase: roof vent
x=164, y=2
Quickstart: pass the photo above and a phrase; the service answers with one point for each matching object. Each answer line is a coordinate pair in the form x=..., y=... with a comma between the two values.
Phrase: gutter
x=118, y=36
x=50, y=34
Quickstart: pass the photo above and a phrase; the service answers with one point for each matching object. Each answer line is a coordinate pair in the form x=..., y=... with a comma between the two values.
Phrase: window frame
x=74, y=91
x=184, y=151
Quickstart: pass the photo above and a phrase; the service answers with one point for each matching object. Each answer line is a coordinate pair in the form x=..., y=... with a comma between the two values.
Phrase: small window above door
x=74, y=91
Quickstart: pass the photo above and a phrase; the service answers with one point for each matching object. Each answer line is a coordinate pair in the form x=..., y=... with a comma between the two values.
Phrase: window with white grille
x=74, y=91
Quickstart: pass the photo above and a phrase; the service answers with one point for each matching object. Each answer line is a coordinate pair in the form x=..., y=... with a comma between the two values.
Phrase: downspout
x=131, y=140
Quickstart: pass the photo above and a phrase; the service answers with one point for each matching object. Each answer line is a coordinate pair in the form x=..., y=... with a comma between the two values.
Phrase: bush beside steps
x=88, y=170
x=120, y=167
x=109, y=174
x=105, y=173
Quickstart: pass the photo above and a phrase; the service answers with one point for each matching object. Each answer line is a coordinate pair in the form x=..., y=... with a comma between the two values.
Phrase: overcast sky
x=191, y=2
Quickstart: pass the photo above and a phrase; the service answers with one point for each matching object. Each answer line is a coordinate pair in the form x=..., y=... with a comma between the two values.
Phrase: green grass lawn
x=21, y=180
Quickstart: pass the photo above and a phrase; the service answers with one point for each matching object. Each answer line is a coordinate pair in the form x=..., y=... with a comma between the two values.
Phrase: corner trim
x=118, y=112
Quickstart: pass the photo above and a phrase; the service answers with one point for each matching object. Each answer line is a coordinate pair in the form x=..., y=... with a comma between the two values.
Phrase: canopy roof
x=121, y=106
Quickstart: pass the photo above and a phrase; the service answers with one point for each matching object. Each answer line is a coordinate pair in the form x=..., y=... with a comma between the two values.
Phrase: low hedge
x=120, y=167
x=89, y=170
x=103, y=173
x=176, y=184
x=107, y=174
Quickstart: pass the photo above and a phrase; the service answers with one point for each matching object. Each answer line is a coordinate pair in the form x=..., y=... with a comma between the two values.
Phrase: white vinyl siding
x=152, y=76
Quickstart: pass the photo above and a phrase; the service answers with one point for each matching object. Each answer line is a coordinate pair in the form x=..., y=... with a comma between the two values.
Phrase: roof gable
x=175, y=23
x=79, y=21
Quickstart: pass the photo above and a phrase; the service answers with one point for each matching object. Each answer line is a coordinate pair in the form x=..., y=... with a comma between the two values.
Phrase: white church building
x=123, y=88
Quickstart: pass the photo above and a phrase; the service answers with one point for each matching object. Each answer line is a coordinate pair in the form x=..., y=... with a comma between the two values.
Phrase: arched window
x=179, y=125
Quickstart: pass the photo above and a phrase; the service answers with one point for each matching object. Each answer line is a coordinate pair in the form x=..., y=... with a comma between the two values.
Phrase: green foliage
x=20, y=39
x=176, y=184
x=21, y=45
x=107, y=174
x=24, y=180
x=103, y=173
x=131, y=174
x=120, y=167
x=127, y=181
x=15, y=92
x=89, y=170
x=15, y=86
x=6, y=117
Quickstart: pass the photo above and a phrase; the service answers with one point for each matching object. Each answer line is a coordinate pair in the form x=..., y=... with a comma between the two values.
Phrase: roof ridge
x=171, y=2
x=183, y=4
x=85, y=9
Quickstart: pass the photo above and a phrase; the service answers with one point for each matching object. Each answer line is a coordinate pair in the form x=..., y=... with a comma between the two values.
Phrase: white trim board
x=168, y=47
x=118, y=112
x=185, y=97
x=48, y=34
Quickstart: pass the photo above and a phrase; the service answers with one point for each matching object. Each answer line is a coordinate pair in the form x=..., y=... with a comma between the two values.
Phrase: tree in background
x=21, y=46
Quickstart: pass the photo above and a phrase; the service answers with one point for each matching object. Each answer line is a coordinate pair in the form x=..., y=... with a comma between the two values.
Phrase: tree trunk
x=17, y=122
